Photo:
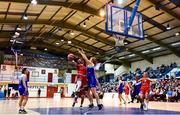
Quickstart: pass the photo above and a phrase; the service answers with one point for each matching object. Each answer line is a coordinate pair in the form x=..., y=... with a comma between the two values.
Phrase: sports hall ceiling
x=52, y=21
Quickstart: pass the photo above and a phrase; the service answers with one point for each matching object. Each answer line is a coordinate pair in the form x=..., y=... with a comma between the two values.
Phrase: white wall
x=70, y=89
x=68, y=77
x=109, y=68
x=140, y=64
x=9, y=74
x=42, y=77
x=167, y=59
x=122, y=69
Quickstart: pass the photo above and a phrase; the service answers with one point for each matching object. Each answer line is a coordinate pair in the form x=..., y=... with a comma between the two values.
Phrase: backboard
x=117, y=20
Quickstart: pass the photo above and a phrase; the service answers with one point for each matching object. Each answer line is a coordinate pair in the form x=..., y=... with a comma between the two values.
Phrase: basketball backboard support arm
x=123, y=22
x=133, y=14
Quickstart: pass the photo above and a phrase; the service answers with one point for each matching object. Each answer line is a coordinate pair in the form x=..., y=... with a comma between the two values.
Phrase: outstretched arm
x=83, y=55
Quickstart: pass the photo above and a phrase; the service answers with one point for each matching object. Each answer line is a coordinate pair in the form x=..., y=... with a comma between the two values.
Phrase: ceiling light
x=34, y=2
x=12, y=40
x=174, y=44
x=14, y=36
x=19, y=42
x=25, y=17
x=145, y=51
x=72, y=33
x=102, y=13
x=69, y=42
x=97, y=52
x=125, y=43
x=33, y=48
x=57, y=43
x=17, y=33
x=155, y=49
x=121, y=57
x=62, y=40
x=19, y=29
x=45, y=49
x=84, y=24
x=120, y=1
x=131, y=55
x=145, y=35
x=168, y=27
x=177, y=34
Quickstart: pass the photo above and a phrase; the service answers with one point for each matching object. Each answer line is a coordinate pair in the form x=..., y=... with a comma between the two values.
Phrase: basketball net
x=119, y=40
x=16, y=57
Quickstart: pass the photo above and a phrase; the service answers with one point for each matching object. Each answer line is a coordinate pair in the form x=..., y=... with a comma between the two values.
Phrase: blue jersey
x=21, y=87
x=121, y=87
x=137, y=88
x=91, y=76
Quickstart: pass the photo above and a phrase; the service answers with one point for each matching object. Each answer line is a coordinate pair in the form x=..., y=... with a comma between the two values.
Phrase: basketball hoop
x=119, y=40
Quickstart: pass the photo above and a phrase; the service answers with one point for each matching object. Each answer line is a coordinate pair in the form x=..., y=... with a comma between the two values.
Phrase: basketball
x=70, y=57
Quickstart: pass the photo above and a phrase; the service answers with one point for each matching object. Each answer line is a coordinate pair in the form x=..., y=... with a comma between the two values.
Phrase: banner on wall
x=33, y=91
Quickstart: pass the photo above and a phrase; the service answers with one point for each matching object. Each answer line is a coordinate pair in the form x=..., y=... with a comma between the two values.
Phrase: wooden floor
x=38, y=106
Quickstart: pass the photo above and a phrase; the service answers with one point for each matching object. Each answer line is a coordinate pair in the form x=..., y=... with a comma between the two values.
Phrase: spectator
x=5, y=92
x=9, y=92
x=39, y=92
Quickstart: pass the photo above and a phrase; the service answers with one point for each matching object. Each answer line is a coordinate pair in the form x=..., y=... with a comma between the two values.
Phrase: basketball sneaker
x=100, y=106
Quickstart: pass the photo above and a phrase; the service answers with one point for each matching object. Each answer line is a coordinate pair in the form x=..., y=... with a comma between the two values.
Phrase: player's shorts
x=84, y=82
x=145, y=90
x=126, y=92
x=137, y=92
x=120, y=90
x=23, y=92
x=92, y=82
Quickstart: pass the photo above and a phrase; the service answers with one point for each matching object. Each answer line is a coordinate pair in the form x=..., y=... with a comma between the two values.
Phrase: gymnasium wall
x=121, y=70
x=166, y=60
x=37, y=74
x=109, y=68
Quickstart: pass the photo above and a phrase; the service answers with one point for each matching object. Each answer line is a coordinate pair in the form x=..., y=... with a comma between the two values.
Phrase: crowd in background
x=166, y=88
x=39, y=61
x=153, y=73
x=161, y=90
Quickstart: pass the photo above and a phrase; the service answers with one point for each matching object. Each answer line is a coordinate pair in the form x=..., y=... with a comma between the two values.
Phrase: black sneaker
x=73, y=104
x=100, y=106
x=24, y=111
x=141, y=106
x=80, y=106
x=91, y=105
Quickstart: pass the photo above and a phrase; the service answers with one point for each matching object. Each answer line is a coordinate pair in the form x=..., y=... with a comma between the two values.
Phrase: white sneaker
x=145, y=106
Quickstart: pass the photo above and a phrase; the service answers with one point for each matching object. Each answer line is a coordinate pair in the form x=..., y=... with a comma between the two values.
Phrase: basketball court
x=53, y=53
x=64, y=106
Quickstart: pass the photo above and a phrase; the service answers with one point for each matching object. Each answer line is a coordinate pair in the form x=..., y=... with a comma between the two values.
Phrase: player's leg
x=146, y=99
x=78, y=85
x=20, y=103
x=82, y=99
x=24, y=103
x=90, y=97
x=93, y=90
x=142, y=99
